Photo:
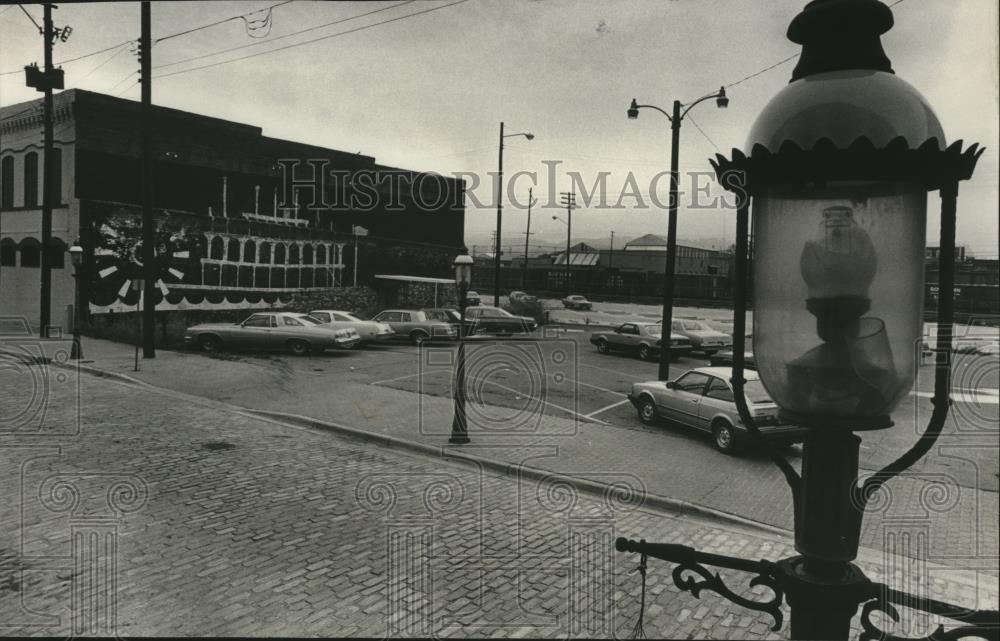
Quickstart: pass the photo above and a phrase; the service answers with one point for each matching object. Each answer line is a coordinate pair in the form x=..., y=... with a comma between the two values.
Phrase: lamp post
x=463, y=278
x=76, y=258
x=496, y=248
x=721, y=101
x=838, y=167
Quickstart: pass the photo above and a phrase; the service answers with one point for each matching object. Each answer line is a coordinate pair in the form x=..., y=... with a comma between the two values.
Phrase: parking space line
x=603, y=389
x=604, y=409
x=406, y=376
x=611, y=371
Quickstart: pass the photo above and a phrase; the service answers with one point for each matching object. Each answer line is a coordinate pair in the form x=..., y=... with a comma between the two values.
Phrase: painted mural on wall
x=208, y=262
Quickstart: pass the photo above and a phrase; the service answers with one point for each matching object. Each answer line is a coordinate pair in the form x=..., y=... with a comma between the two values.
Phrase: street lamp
x=496, y=249
x=721, y=101
x=838, y=168
x=463, y=278
x=76, y=258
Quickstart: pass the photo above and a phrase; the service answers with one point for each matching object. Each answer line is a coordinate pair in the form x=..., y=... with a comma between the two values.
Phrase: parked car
x=300, y=333
x=703, y=338
x=703, y=398
x=725, y=358
x=471, y=298
x=486, y=319
x=370, y=331
x=641, y=338
x=415, y=326
x=521, y=297
x=445, y=315
x=577, y=302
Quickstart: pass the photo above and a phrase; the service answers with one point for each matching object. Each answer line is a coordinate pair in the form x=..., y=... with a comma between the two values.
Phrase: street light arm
x=715, y=94
x=657, y=109
x=524, y=133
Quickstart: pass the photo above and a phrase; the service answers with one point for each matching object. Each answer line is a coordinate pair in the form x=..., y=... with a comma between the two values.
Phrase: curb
x=661, y=503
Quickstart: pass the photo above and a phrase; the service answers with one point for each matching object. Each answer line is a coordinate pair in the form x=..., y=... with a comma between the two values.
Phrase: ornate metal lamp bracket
x=689, y=561
x=980, y=624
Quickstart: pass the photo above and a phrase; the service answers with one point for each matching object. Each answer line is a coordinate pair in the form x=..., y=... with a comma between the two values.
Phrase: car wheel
x=602, y=346
x=644, y=352
x=724, y=438
x=418, y=337
x=299, y=348
x=209, y=343
x=647, y=411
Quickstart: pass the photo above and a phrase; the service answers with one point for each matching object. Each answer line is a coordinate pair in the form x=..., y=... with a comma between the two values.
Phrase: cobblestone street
x=165, y=518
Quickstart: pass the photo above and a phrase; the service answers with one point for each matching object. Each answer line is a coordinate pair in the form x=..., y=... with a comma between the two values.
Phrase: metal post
x=496, y=240
x=527, y=237
x=459, y=424
x=76, y=350
x=611, y=257
x=46, y=264
x=668, y=272
x=355, y=259
x=148, y=231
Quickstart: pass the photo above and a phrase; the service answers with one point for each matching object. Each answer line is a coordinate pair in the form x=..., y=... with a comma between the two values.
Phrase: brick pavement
x=222, y=524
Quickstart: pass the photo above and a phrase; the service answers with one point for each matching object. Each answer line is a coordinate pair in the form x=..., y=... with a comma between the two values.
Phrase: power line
x=167, y=37
x=698, y=127
x=299, y=44
x=215, y=24
x=106, y=61
x=276, y=38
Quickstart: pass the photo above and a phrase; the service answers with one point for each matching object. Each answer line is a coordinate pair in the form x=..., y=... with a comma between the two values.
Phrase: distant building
x=649, y=242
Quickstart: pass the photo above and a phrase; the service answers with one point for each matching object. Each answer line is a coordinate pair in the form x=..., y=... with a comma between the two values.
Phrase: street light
x=463, y=278
x=76, y=258
x=721, y=101
x=838, y=167
x=496, y=249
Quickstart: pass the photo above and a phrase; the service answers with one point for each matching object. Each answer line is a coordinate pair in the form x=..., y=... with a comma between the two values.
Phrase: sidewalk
x=946, y=524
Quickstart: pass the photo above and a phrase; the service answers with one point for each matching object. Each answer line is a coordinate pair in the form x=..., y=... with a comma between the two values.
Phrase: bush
x=123, y=327
x=361, y=301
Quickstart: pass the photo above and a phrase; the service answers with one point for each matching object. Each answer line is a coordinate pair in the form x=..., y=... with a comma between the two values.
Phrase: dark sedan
x=640, y=338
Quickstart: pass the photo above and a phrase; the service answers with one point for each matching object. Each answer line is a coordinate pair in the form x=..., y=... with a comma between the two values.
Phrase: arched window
x=7, y=182
x=31, y=255
x=216, y=250
x=279, y=254
x=233, y=251
x=307, y=255
x=250, y=251
x=31, y=179
x=265, y=253
x=321, y=255
x=293, y=254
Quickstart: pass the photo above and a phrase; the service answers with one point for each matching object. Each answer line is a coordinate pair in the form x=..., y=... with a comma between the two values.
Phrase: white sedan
x=370, y=331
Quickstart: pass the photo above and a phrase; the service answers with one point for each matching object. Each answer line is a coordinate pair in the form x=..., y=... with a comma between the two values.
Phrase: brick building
x=230, y=231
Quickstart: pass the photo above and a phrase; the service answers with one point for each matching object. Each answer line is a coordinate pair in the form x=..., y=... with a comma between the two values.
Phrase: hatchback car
x=703, y=398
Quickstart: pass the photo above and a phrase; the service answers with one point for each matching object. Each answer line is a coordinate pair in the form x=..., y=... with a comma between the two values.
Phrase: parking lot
x=557, y=371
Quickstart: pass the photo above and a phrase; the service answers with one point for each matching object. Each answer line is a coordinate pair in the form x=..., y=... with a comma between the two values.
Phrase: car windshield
x=694, y=326
x=309, y=320
x=350, y=317
x=755, y=392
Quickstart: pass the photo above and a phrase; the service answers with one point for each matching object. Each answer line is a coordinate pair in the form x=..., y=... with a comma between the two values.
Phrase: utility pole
x=611, y=252
x=569, y=200
x=496, y=232
x=148, y=232
x=527, y=237
x=45, y=313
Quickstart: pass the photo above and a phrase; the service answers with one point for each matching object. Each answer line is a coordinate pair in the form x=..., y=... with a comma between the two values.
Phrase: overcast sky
x=428, y=92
